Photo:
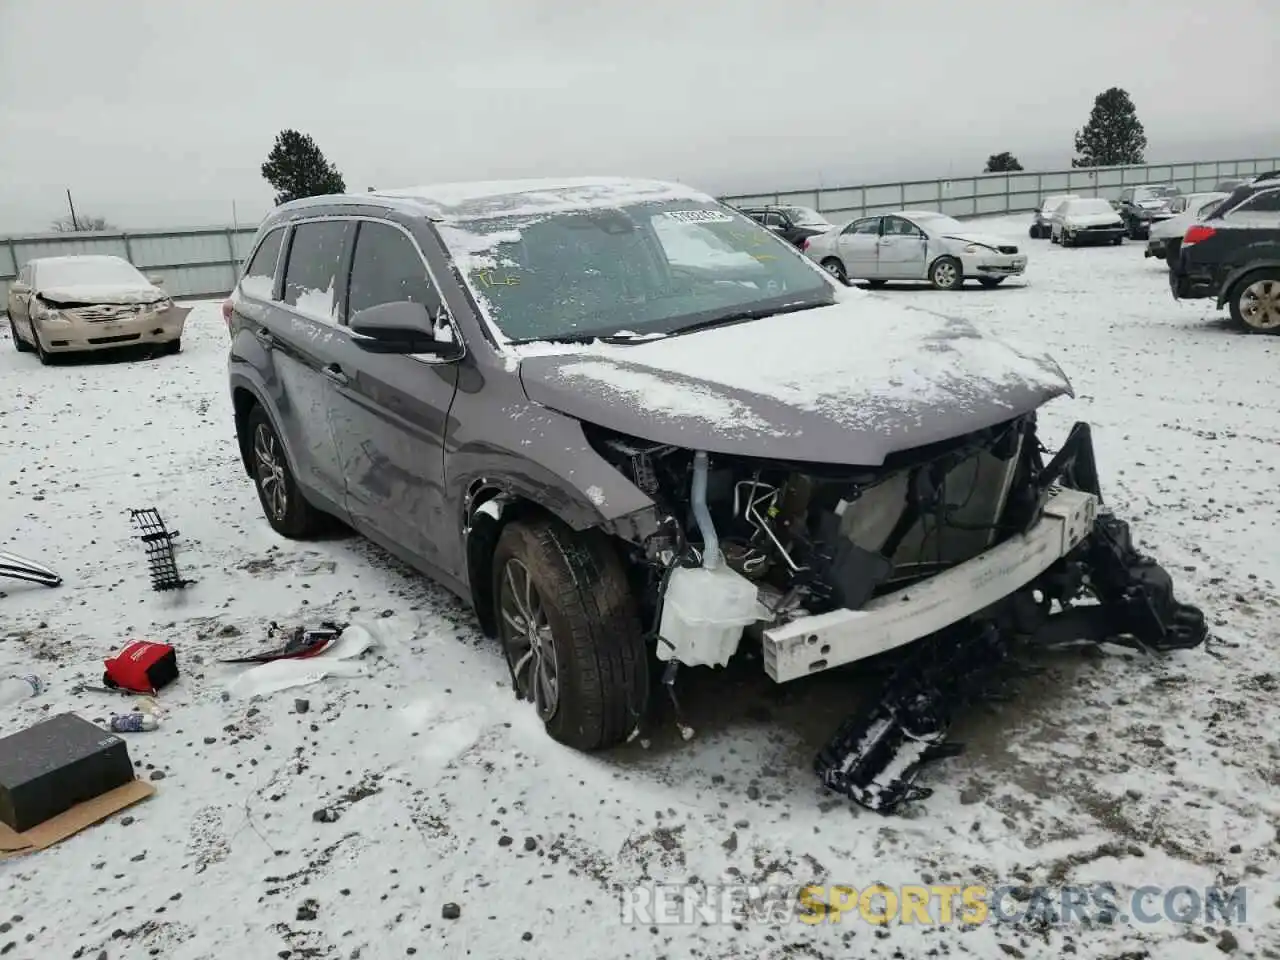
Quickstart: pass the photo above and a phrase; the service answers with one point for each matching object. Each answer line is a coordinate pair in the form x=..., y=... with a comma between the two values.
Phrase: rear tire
x=946, y=274
x=1255, y=301
x=173, y=346
x=586, y=640
x=282, y=502
x=1034, y=232
x=834, y=267
x=876, y=284
x=18, y=343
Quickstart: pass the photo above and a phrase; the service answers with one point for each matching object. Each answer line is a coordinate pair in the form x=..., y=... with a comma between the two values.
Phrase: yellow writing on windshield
x=487, y=278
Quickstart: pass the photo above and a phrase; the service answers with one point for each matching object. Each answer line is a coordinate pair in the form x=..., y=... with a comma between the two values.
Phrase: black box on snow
x=48, y=768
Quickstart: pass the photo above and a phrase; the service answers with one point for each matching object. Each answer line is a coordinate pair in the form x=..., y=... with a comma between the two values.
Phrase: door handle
x=265, y=338
x=334, y=373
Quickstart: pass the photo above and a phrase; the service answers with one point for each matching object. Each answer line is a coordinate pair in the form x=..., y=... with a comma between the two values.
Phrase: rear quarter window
x=260, y=274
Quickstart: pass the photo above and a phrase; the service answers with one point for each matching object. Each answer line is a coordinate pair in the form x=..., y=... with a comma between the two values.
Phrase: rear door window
x=311, y=277
x=259, y=275
x=1267, y=202
x=387, y=268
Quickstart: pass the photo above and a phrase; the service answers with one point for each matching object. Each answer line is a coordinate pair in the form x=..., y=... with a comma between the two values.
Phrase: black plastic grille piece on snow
x=159, y=544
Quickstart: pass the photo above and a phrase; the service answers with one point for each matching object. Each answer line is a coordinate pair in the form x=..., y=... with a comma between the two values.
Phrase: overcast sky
x=160, y=112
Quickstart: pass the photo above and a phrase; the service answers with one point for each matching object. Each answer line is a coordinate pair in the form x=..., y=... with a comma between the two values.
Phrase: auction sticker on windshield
x=699, y=216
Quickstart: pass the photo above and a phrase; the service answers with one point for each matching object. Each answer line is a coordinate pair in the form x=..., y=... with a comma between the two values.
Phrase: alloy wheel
x=271, y=472
x=1260, y=305
x=945, y=275
x=526, y=635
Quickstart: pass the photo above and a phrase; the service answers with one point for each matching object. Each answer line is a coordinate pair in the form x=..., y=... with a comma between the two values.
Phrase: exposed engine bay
x=800, y=555
x=814, y=539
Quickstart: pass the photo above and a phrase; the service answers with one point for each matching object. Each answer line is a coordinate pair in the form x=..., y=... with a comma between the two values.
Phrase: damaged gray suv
x=636, y=430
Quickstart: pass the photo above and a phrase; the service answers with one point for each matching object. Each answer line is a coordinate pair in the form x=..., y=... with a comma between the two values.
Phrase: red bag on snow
x=143, y=666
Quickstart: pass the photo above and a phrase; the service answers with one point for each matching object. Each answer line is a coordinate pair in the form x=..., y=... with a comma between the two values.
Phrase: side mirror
x=404, y=327
x=777, y=227
x=155, y=281
x=19, y=288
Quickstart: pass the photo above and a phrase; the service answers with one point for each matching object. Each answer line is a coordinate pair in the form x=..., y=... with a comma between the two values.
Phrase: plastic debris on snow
x=339, y=659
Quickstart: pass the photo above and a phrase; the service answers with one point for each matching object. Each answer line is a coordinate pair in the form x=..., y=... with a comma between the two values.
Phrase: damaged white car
x=659, y=434
x=81, y=303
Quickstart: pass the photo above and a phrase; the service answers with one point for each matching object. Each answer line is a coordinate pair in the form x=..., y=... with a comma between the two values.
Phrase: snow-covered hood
x=1091, y=219
x=95, y=293
x=986, y=239
x=849, y=383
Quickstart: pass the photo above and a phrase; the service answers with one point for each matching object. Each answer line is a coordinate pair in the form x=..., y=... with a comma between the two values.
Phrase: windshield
x=1088, y=206
x=806, y=217
x=74, y=271
x=1052, y=203
x=938, y=221
x=1154, y=193
x=635, y=269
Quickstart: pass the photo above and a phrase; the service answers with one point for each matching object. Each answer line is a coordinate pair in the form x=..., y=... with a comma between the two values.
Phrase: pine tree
x=1002, y=163
x=295, y=167
x=1113, y=135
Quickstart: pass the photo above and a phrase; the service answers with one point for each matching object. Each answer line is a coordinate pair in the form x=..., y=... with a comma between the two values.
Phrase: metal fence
x=997, y=193
x=201, y=262
x=205, y=262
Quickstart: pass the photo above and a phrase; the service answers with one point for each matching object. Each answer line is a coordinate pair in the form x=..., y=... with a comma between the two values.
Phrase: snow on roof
x=486, y=199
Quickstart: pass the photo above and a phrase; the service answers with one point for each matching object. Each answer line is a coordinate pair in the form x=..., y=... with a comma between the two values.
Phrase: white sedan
x=915, y=245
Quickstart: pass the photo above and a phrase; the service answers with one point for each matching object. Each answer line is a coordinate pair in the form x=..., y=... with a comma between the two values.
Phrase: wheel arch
x=245, y=397
x=491, y=503
x=1235, y=277
x=489, y=506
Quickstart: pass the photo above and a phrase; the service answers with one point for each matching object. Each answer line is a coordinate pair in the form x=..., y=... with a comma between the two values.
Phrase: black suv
x=1139, y=207
x=793, y=223
x=1233, y=255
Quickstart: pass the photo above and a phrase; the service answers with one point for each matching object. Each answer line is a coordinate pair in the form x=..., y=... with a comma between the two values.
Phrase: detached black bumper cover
x=877, y=753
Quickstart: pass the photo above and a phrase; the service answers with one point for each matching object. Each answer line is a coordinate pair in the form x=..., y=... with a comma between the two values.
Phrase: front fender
x=541, y=456
x=1224, y=292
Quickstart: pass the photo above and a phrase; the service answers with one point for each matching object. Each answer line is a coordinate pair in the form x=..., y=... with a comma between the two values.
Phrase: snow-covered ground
x=442, y=789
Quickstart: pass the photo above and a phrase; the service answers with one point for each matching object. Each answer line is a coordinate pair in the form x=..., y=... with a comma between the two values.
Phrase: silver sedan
x=915, y=245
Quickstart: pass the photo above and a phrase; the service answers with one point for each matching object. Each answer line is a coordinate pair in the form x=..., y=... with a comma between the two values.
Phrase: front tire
x=18, y=343
x=835, y=267
x=282, y=502
x=1255, y=302
x=946, y=274
x=1034, y=232
x=45, y=357
x=570, y=632
x=991, y=282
